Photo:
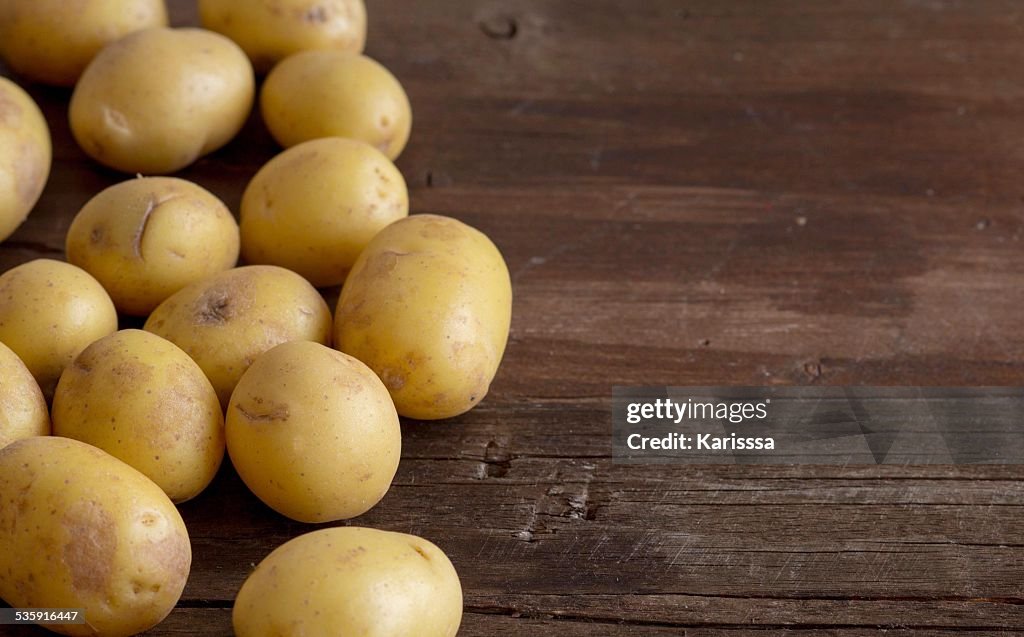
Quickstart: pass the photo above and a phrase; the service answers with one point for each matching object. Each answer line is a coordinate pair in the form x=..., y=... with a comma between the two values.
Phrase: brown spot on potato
x=214, y=308
x=84, y=363
x=421, y=552
x=133, y=374
x=441, y=229
x=316, y=14
x=273, y=412
x=231, y=296
x=91, y=547
x=97, y=234
x=393, y=379
x=174, y=556
x=382, y=263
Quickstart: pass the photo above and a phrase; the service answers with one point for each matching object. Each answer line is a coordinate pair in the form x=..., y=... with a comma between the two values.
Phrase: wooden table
x=701, y=192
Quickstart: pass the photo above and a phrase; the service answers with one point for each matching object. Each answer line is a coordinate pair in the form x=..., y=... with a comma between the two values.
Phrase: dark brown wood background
x=687, y=192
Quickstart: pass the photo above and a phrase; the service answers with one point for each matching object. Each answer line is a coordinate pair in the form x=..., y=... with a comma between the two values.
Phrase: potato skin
x=313, y=433
x=156, y=100
x=317, y=94
x=50, y=311
x=25, y=155
x=81, y=529
x=427, y=306
x=23, y=410
x=144, y=401
x=351, y=581
x=313, y=208
x=226, y=321
x=52, y=41
x=146, y=238
x=271, y=30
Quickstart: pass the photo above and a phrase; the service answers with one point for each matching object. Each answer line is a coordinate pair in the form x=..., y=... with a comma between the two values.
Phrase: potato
x=351, y=581
x=156, y=100
x=25, y=154
x=22, y=406
x=49, y=312
x=81, y=529
x=271, y=31
x=226, y=321
x=313, y=433
x=144, y=401
x=314, y=207
x=146, y=238
x=427, y=306
x=317, y=94
x=52, y=41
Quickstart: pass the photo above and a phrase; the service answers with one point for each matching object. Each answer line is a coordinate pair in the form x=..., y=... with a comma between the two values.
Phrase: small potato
x=81, y=529
x=427, y=306
x=226, y=321
x=317, y=94
x=146, y=238
x=314, y=207
x=351, y=581
x=49, y=312
x=144, y=401
x=271, y=31
x=156, y=100
x=25, y=154
x=22, y=406
x=52, y=41
x=313, y=433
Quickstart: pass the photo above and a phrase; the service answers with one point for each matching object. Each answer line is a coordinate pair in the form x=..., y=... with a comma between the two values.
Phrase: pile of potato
x=244, y=359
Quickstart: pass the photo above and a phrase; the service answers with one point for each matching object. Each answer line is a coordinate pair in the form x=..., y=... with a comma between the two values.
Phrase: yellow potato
x=81, y=529
x=317, y=94
x=49, y=312
x=144, y=401
x=313, y=208
x=25, y=154
x=156, y=100
x=351, y=581
x=52, y=41
x=313, y=433
x=269, y=31
x=22, y=406
x=146, y=238
x=427, y=306
x=226, y=321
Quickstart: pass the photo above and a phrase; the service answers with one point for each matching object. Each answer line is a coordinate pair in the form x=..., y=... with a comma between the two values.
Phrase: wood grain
x=686, y=192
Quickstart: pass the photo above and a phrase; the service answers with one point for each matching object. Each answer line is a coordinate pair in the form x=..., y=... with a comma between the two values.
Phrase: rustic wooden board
x=687, y=192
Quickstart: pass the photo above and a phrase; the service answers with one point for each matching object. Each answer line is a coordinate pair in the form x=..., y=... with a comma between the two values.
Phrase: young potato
x=144, y=401
x=49, y=312
x=427, y=306
x=226, y=321
x=81, y=529
x=351, y=581
x=52, y=41
x=317, y=94
x=314, y=207
x=313, y=433
x=25, y=154
x=270, y=31
x=22, y=406
x=156, y=100
x=146, y=238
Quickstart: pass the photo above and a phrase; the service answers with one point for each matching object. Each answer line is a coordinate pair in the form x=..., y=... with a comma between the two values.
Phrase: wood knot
x=500, y=27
